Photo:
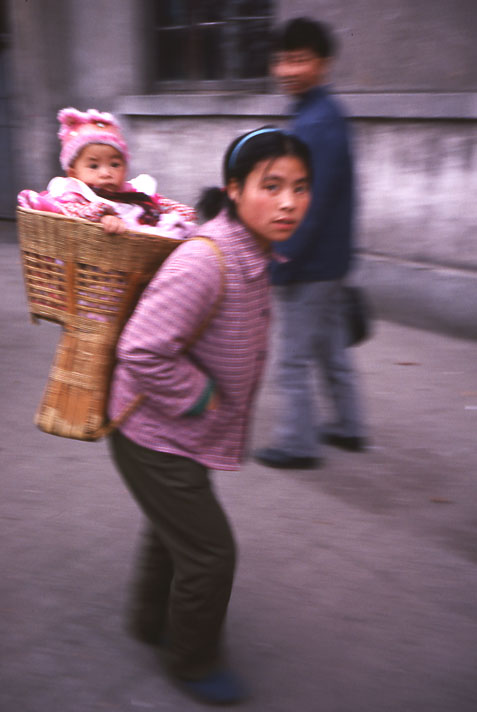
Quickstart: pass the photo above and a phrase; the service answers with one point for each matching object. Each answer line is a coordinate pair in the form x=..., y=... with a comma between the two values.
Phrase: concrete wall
x=398, y=45
x=106, y=51
x=181, y=142
x=417, y=180
x=40, y=66
x=63, y=53
x=405, y=73
x=417, y=190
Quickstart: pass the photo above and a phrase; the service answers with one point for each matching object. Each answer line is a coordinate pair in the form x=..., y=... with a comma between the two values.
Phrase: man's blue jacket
x=321, y=247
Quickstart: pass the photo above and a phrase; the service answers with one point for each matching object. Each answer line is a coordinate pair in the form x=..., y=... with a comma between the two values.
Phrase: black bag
x=357, y=314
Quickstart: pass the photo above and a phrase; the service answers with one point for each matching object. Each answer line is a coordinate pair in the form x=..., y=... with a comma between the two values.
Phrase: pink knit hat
x=80, y=128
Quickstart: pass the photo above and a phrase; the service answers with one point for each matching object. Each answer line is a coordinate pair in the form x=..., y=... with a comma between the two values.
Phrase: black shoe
x=276, y=458
x=351, y=443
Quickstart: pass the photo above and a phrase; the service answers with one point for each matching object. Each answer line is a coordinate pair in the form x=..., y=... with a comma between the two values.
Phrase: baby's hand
x=113, y=224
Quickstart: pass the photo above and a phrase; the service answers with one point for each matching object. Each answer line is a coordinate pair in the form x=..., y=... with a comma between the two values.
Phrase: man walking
x=308, y=282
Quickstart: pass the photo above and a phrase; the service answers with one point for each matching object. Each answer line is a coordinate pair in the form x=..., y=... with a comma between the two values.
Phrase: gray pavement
x=356, y=586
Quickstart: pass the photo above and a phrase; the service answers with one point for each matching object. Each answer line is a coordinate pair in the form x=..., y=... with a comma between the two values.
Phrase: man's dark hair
x=304, y=33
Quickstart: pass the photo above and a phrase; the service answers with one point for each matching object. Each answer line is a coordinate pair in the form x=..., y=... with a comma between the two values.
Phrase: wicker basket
x=89, y=282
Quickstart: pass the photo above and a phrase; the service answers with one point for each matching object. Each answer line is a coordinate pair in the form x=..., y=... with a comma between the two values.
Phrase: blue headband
x=243, y=140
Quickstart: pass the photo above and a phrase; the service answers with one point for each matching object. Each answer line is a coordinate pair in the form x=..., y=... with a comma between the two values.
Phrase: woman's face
x=274, y=198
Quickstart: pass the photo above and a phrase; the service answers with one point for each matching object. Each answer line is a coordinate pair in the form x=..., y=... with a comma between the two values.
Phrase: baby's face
x=99, y=166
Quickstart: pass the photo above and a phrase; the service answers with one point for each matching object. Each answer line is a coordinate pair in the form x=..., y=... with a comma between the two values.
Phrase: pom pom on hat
x=80, y=128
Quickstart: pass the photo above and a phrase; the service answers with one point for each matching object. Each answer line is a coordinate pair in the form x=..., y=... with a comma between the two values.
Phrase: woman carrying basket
x=195, y=348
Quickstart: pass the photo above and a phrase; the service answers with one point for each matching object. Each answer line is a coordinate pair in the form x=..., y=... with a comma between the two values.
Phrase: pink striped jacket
x=152, y=358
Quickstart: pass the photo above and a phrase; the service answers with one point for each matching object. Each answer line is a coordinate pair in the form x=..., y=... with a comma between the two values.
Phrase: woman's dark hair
x=267, y=142
x=304, y=33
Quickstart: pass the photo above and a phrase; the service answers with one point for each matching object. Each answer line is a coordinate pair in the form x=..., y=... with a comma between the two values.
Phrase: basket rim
x=48, y=214
x=90, y=223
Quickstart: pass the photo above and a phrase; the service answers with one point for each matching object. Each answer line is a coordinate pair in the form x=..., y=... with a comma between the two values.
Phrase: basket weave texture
x=89, y=282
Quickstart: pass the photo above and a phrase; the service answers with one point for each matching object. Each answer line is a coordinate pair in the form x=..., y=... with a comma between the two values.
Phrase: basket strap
x=106, y=430
x=221, y=260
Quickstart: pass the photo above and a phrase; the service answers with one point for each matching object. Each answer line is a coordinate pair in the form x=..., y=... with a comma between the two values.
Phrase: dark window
x=3, y=26
x=211, y=40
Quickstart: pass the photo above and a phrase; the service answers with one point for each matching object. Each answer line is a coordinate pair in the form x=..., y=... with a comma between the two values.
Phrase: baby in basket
x=94, y=156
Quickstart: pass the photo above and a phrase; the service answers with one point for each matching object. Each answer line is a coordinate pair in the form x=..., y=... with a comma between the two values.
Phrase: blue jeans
x=311, y=338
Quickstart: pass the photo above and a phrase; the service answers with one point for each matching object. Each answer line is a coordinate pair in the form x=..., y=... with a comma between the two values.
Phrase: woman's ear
x=233, y=190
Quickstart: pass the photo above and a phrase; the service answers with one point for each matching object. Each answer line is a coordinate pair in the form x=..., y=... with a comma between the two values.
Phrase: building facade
x=186, y=76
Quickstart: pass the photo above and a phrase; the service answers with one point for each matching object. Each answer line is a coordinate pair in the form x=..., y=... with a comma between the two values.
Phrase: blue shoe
x=219, y=688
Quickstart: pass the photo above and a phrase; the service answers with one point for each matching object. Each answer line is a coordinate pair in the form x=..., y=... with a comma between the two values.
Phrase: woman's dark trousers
x=187, y=558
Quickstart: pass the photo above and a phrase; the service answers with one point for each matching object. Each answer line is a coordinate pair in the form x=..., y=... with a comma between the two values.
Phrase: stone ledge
x=416, y=105
x=437, y=299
